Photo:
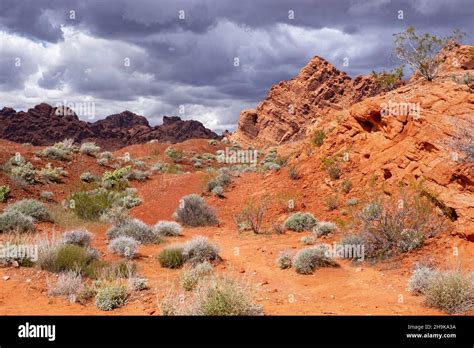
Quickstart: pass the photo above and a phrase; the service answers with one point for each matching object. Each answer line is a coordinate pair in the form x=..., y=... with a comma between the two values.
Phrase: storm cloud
x=205, y=60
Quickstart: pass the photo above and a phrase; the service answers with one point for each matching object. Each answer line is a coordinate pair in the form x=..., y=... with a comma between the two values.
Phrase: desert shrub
x=138, y=175
x=451, y=291
x=98, y=269
x=252, y=214
x=16, y=221
x=466, y=79
x=346, y=186
x=130, y=202
x=249, y=169
x=213, y=142
x=47, y=196
x=300, y=222
x=200, y=249
x=115, y=215
x=4, y=192
x=56, y=153
x=87, y=177
x=168, y=228
x=135, y=229
x=131, y=191
x=208, y=157
x=89, y=148
x=102, y=161
x=352, y=201
x=307, y=260
x=111, y=297
x=410, y=240
x=272, y=166
x=422, y=52
x=139, y=164
x=371, y=211
x=331, y=202
x=193, y=211
x=90, y=205
x=67, y=145
x=190, y=277
x=175, y=155
x=226, y=297
x=278, y=228
x=30, y=207
x=390, y=226
x=171, y=257
x=15, y=160
x=51, y=174
x=222, y=180
x=158, y=167
x=167, y=168
x=218, y=191
x=81, y=238
x=334, y=171
x=137, y=283
x=25, y=172
x=352, y=239
x=420, y=279
x=66, y=257
x=463, y=140
x=69, y=284
x=386, y=81
x=293, y=173
x=217, y=296
x=124, y=246
x=323, y=227
x=106, y=155
x=318, y=138
x=284, y=260
x=307, y=240
x=117, y=179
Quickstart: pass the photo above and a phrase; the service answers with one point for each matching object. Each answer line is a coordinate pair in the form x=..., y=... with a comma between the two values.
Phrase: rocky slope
x=318, y=89
x=44, y=125
x=421, y=133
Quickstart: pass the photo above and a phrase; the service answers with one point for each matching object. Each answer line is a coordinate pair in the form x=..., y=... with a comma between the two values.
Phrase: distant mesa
x=45, y=125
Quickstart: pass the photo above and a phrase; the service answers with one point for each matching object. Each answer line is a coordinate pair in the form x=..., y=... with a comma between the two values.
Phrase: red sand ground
x=351, y=289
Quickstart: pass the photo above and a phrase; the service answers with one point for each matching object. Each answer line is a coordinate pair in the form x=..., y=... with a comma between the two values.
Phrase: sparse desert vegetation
x=331, y=197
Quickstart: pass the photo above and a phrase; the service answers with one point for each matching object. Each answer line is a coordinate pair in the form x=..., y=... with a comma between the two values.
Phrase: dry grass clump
x=216, y=296
x=451, y=291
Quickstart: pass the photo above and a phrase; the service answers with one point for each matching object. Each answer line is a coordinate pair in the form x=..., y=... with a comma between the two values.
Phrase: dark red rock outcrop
x=45, y=125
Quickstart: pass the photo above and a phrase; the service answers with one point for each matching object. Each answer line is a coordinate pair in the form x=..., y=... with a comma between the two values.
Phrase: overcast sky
x=178, y=57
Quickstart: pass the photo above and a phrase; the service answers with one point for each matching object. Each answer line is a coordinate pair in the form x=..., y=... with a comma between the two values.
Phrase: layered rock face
x=291, y=105
x=422, y=132
x=45, y=125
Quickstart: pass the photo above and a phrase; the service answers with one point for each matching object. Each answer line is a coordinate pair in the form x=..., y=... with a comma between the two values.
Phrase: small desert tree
x=252, y=214
x=388, y=80
x=421, y=52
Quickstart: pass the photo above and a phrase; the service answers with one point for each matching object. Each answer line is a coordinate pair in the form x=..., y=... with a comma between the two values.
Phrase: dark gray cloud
x=154, y=56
